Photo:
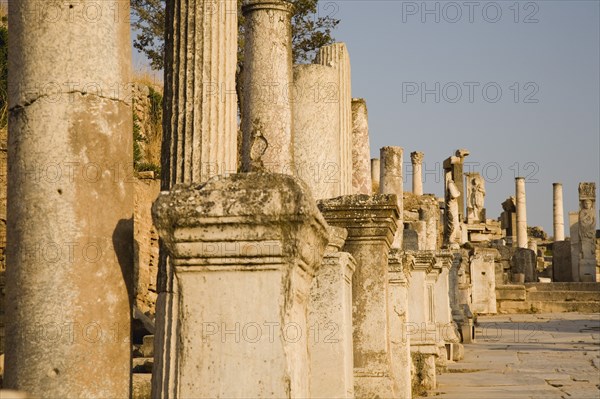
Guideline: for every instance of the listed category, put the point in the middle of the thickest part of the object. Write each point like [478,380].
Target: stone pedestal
[316,127]
[361,151]
[267,77]
[375,175]
[330,322]
[557,212]
[561,261]
[336,56]
[391,183]
[416,159]
[200,101]
[70,204]
[244,249]
[483,280]
[371,223]
[521,212]
[399,280]
[524,262]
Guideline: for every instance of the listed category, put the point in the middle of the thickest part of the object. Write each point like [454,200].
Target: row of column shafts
[238,249]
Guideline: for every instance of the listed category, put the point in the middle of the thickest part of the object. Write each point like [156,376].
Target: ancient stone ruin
[274,259]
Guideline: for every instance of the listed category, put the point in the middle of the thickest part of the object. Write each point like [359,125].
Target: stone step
[563,286]
[142,364]
[563,296]
[141,386]
[548,307]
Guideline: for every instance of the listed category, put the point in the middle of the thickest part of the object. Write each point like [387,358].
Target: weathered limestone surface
[371,222]
[475,198]
[330,322]
[69,233]
[200,106]
[375,175]
[244,249]
[557,212]
[508,221]
[575,245]
[399,279]
[361,150]
[483,280]
[521,212]
[316,129]
[453,168]
[524,262]
[391,183]
[587,232]
[267,77]
[336,55]
[452,225]
[416,159]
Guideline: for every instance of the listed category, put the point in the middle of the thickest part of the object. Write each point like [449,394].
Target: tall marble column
[559,220]
[416,159]
[336,55]
[361,151]
[316,126]
[199,135]
[375,175]
[70,203]
[391,183]
[521,212]
[371,223]
[267,115]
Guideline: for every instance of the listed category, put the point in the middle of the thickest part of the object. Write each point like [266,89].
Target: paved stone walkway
[528,356]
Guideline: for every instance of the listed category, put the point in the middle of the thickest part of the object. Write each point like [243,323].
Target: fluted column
[521,212]
[267,77]
[416,159]
[336,56]
[559,222]
[200,107]
[70,233]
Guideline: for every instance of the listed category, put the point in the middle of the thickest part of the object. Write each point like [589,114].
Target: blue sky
[517,83]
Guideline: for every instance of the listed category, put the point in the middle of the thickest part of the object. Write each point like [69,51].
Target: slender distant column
[416,159]
[375,175]
[559,223]
[70,233]
[336,56]
[267,77]
[361,151]
[521,212]
[200,107]
[391,183]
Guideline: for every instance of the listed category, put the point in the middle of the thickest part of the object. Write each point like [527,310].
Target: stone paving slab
[528,356]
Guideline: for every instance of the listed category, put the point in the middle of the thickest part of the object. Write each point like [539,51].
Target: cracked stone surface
[528,356]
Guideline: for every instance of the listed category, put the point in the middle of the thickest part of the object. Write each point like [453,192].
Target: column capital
[279,5]
[416,157]
[365,217]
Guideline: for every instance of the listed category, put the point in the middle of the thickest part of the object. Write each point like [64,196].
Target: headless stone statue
[452,216]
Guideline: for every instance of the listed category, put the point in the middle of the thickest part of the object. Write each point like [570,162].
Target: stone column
[521,212]
[200,107]
[375,175]
[267,78]
[330,322]
[416,159]
[443,310]
[399,281]
[391,183]
[316,127]
[559,222]
[199,135]
[575,245]
[336,56]
[361,174]
[244,249]
[70,203]
[587,232]
[371,223]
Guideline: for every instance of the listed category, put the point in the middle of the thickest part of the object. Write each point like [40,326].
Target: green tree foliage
[311,29]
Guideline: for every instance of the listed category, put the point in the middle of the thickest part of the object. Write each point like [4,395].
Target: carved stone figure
[476,198]
[452,216]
